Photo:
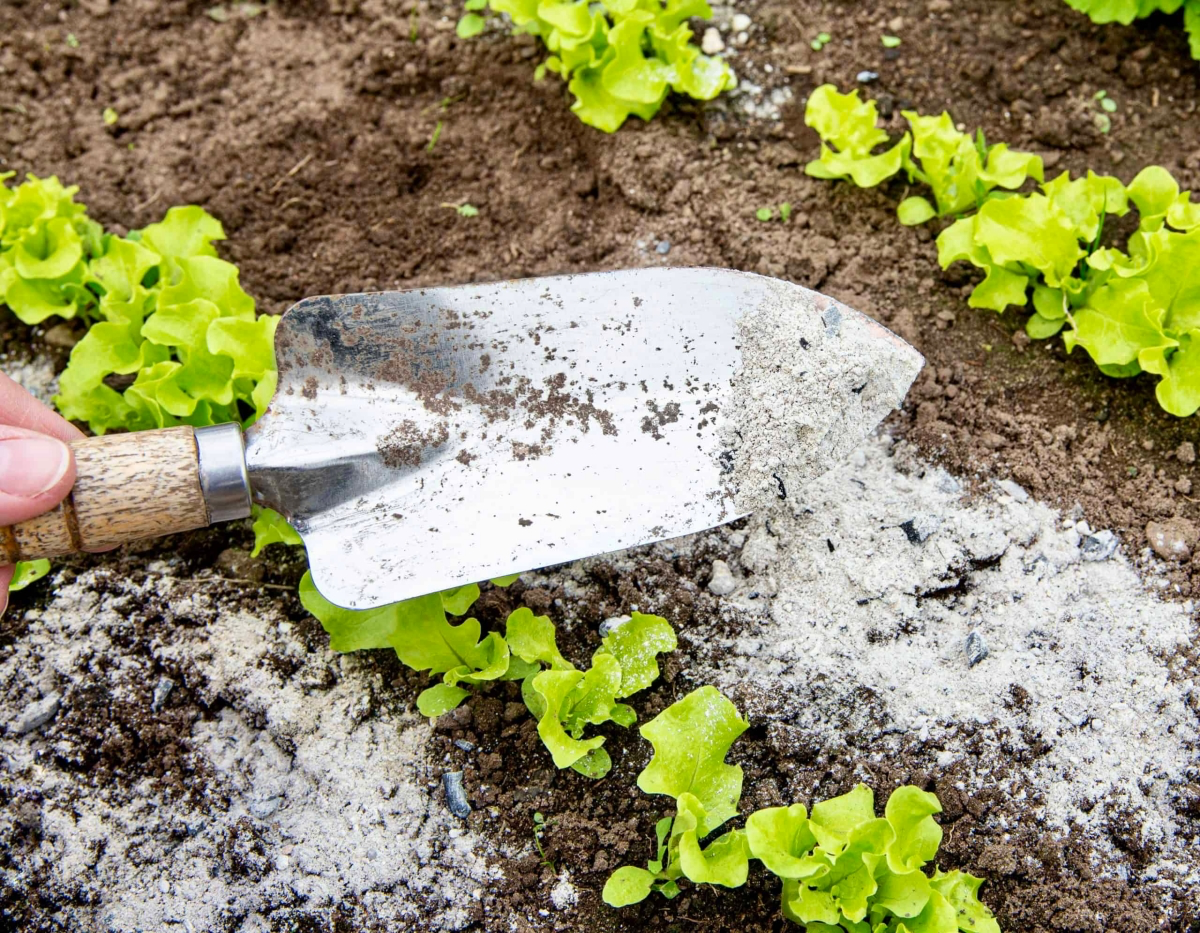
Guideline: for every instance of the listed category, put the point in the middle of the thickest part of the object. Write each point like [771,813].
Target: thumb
[36,473]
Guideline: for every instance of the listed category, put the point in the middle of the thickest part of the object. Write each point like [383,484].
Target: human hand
[37,469]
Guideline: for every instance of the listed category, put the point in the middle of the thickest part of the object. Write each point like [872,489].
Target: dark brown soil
[308,130]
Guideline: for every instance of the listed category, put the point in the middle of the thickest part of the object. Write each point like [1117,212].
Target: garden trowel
[418,440]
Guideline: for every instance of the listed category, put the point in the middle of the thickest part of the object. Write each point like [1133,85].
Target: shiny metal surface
[423,439]
[223,477]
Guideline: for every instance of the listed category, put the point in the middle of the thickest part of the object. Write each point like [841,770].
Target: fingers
[36,473]
[6,575]
[20,409]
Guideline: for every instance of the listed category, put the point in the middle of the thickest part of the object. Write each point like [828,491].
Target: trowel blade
[424,439]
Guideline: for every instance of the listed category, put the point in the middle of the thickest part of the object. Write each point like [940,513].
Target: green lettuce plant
[563,699]
[844,869]
[26,572]
[691,738]
[1126,11]
[618,57]
[1132,311]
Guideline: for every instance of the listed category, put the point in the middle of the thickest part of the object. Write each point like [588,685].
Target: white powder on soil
[816,378]
[343,799]
[853,602]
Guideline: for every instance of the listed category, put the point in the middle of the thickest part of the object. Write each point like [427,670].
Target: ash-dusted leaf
[627,885]
[595,764]
[531,638]
[440,699]
[272,528]
[909,811]
[691,738]
[781,839]
[636,645]
[962,892]
[554,688]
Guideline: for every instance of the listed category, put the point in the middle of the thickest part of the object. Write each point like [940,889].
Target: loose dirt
[307,130]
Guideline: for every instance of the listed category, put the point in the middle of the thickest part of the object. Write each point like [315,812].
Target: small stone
[1099,546]
[456,794]
[866,77]
[162,690]
[712,43]
[741,22]
[62,335]
[464,745]
[722,582]
[36,714]
[163,886]
[1172,539]
[610,625]
[896,24]
[918,528]
[1010,488]
[1183,485]
[977,649]
[662,247]
[1186,452]
[938,6]
[1020,339]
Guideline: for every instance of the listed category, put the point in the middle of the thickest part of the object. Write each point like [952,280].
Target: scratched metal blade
[423,439]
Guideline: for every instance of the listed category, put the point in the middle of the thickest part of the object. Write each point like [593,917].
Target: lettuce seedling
[46,242]
[565,700]
[691,739]
[1132,311]
[618,57]
[843,868]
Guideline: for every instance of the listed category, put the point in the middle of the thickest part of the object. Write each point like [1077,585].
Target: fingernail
[29,466]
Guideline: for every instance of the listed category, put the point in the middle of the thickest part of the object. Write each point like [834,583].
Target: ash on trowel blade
[816,378]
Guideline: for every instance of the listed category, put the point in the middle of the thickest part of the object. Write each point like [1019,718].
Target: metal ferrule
[223,476]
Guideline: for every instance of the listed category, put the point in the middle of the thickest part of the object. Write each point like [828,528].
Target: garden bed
[277,785]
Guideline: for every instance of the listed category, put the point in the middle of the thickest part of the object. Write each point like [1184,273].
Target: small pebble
[662,247]
[866,77]
[1010,488]
[1099,546]
[464,745]
[36,714]
[1172,539]
[608,626]
[977,649]
[456,794]
[741,22]
[920,527]
[163,886]
[712,43]
[722,582]
[1186,452]
[261,809]
[162,690]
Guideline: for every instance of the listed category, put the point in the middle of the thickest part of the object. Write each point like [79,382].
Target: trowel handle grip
[140,485]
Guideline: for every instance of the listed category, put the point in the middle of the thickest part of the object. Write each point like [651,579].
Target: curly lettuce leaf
[636,646]
[691,738]
[272,528]
[848,131]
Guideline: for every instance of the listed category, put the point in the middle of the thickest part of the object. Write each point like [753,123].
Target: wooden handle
[127,486]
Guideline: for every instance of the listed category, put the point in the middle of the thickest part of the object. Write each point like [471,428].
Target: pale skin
[37,469]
